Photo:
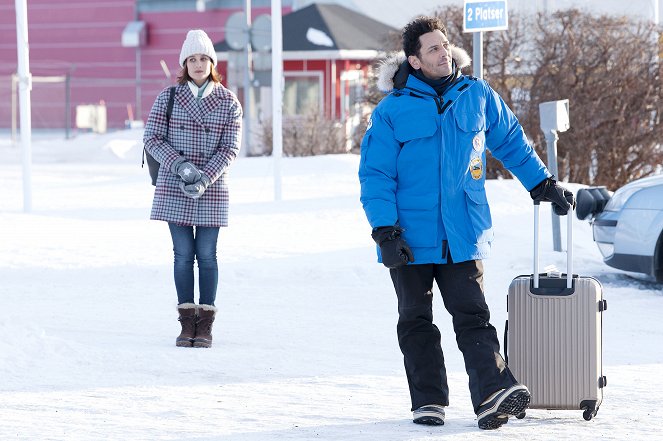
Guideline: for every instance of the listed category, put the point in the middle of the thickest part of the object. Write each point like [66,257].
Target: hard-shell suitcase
[553,335]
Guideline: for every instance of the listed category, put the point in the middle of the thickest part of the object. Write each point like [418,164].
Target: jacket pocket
[419,215]
[415,129]
[470,121]
[479,212]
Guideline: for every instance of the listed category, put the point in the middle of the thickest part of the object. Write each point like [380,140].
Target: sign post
[554,117]
[480,16]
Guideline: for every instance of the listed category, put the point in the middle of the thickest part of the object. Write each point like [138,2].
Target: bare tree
[305,135]
[608,68]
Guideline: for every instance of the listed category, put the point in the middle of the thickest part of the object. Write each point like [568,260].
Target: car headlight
[604,233]
[620,197]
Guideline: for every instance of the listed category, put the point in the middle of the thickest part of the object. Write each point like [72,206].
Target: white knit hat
[197,42]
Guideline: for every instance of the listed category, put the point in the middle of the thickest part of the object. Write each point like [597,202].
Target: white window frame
[347,76]
[310,74]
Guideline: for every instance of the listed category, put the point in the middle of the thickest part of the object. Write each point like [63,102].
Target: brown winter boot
[188,321]
[203,338]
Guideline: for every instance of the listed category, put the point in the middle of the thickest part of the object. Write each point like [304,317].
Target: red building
[79,55]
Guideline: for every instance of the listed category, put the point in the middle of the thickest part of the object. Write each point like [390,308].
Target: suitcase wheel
[521,415]
[589,409]
[589,413]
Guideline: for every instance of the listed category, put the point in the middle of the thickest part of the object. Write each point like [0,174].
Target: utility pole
[24,88]
[277,95]
[248,77]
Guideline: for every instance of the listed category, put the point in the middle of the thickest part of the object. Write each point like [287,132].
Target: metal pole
[67,105]
[656,13]
[551,142]
[25,85]
[247,83]
[569,249]
[277,95]
[139,92]
[14,108]
[139,76]
[477,53]
[536,246]
[332,92]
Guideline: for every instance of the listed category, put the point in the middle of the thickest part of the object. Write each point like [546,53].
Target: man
[422,175]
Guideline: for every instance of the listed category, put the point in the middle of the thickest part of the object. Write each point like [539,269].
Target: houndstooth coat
[206,132]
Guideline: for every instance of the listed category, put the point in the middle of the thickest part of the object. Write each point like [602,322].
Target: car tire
[658,259]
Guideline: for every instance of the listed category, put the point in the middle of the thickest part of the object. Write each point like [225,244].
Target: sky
[304,343]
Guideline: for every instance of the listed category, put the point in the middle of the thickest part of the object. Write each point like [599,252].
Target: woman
[195,149]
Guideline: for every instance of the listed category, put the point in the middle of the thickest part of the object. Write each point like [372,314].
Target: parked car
[628,224]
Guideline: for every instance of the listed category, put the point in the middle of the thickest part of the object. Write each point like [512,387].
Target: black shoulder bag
[152,164]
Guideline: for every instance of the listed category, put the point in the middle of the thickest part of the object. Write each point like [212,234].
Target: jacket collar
[394,71]
[209,86]
[417,85]
[198,109]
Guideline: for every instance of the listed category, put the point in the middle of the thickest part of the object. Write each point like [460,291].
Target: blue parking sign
[481,15]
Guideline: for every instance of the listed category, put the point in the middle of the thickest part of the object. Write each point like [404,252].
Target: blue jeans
[201,245]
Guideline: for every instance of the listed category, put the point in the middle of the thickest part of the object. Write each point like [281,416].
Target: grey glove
[196,189]
[185,170]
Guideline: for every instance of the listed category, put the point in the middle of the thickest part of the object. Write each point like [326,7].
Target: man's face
[434,58]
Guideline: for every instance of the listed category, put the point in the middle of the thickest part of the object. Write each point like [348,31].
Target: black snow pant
[461,286]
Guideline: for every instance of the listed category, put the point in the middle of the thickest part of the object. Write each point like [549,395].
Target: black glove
[395,251]
[548,191]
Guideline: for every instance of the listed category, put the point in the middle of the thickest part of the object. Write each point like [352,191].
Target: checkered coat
[208,133]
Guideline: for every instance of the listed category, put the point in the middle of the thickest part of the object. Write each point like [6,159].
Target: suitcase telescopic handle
[569,246]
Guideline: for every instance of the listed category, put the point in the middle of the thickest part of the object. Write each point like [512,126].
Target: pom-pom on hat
[197,42]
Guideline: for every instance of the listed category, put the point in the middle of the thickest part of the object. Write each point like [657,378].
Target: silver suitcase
[553,335]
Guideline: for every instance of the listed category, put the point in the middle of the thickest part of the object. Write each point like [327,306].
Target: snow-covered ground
[305,342]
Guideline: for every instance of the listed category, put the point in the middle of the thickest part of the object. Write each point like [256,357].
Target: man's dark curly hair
[416,28]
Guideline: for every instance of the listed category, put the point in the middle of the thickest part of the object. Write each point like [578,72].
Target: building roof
[330,28]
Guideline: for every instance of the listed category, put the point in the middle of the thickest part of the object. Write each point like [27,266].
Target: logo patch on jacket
[476,168]
[477,142]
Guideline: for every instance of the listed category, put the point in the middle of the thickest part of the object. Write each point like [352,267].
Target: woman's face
[199,67]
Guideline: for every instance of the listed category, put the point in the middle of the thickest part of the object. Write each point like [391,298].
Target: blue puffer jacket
[423,163]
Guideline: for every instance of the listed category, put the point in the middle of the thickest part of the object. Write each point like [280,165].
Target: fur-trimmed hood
[391,67]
